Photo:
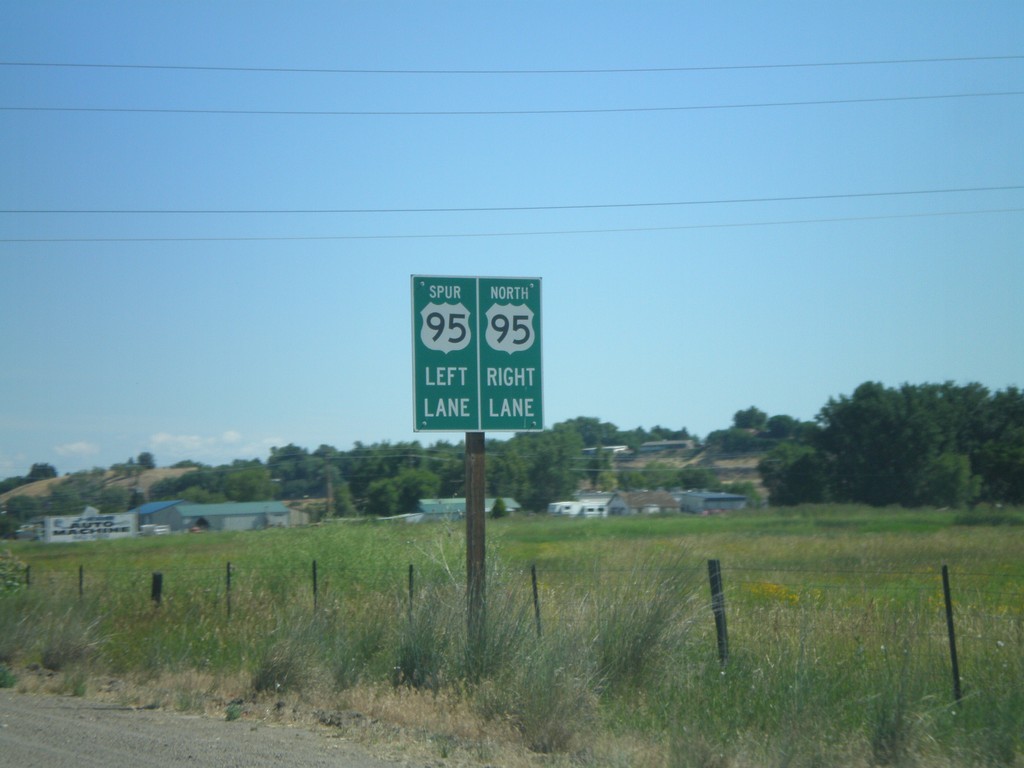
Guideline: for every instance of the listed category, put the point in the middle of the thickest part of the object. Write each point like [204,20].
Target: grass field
[837,636]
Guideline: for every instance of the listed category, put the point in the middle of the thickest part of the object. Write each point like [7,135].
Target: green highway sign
[476,354]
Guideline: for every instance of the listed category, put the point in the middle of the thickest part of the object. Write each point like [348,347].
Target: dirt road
[43,731]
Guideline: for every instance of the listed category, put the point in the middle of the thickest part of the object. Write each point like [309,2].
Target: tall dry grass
[838,652]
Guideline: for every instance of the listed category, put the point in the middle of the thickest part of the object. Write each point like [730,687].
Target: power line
[504,112]
[578,71]
[515,208]
[539,233]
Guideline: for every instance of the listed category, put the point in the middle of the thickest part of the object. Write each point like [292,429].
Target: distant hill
[728,468]
[145,480]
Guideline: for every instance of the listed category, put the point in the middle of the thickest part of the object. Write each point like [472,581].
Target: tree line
[944,445]
[913,445]
[382,478]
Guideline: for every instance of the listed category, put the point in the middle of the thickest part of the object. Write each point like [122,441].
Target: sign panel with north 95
[476,353]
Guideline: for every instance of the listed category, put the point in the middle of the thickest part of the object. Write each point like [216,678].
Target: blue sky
[229,270]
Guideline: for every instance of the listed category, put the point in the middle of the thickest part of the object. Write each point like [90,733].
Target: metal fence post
[957,693]
[718,608]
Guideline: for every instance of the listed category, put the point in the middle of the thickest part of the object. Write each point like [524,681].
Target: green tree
[413,485]
[794,473]
[41,472]
[658,432]
[65,500]
[112,500]
[591,431]
[915,445]
[8,527]
[552,459]
[750,418]
[948,482]
[599,463]
[782,427]
[24,508]
[744,488]
[382,497]
[499,509]
[210,480]
[507,470]
[942,444]
[367,463]
[249,483]
[697,477]
[631,479]
[660,474]
[448,462]
[733,440]
[873,449]
[999,457]
[146,460]
[188,464]
[608,480]
[297,473]
[11,483]
[343,504]
[128,469]
[197,494]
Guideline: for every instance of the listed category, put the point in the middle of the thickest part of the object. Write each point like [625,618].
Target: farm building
[152,515]
[705,502]
[452,509]
[233,516]
[645,503]
[619,503]
[657,446]
[615,449]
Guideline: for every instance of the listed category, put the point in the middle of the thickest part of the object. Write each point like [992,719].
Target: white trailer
[570,508]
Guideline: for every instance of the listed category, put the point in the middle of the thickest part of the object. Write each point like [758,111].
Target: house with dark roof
[705,502]
[644,503]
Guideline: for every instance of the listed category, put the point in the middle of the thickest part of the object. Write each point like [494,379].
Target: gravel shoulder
[48,731]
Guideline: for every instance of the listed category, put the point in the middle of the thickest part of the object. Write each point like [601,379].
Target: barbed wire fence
[949,610]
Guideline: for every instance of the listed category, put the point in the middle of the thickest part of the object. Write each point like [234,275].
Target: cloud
[163,441]
[12,465]
[224,447]
[79,449]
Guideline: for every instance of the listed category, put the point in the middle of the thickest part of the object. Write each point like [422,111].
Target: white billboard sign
[89,526]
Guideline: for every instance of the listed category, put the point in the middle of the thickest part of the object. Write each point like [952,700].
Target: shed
[705,502]
[453,509]
[159,513]
[231,516]
[235,516]
[647,502]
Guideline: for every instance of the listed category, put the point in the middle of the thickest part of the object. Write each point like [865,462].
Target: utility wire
[504,112]
[515,208]
[580,71]
[541,233]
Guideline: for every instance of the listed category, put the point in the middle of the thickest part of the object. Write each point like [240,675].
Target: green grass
[838,647]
